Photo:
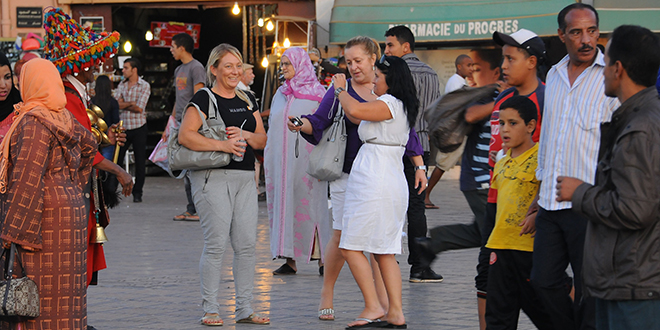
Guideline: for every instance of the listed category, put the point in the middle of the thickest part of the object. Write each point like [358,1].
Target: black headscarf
[14,96]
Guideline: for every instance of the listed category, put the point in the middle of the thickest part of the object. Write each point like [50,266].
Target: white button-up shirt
[570,137]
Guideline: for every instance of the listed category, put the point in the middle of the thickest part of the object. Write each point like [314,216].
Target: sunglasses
[384,61]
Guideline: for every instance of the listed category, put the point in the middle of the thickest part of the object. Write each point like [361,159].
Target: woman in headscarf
[45,162]
[297,202]
[9,96]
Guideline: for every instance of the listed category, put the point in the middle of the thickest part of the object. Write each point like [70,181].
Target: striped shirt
[138,93]
[427,85]
[570,137]
[475,171]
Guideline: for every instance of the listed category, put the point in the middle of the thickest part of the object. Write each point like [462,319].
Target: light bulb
[149,36]
[264,62]
[286,43]
[127,46]
[270,26]
[260,22]
[236,10]
[276,44]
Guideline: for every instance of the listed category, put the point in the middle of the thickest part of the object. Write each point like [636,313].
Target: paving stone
[152,280]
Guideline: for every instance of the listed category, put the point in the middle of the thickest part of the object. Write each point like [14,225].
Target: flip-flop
[213,320]
[186,216]
[431,206]
[284,270]
[327,314]
[375,323]
[394,326]
[250,319]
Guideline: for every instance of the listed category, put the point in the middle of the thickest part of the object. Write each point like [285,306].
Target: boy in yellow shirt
[512,240]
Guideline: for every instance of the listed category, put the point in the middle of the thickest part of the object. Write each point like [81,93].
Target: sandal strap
[326,311]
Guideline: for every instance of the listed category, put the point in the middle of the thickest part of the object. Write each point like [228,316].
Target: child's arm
[529,225]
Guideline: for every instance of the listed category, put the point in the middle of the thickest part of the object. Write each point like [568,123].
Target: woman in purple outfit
[361,54]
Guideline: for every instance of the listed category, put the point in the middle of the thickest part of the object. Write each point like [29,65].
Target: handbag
[182,158]
[20,296]
[326,161]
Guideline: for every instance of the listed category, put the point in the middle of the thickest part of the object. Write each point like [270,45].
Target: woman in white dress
[377,192]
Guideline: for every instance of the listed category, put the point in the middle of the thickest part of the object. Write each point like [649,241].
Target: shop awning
[638,12]
[443,20]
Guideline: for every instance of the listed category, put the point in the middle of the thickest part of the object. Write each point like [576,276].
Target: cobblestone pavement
[152,280]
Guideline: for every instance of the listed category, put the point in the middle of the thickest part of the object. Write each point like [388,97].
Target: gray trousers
[226,202]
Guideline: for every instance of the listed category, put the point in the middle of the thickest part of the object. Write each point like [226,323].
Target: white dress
[377,192]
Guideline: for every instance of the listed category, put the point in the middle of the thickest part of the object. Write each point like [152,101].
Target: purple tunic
[322,119]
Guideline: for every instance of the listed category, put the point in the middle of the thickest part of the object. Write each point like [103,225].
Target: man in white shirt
[463,69]
[248,77]
[575,106]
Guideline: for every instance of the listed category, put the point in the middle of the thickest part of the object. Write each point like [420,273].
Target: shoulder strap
[213,103]
[73,91]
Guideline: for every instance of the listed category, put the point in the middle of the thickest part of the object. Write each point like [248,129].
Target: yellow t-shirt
[515,181]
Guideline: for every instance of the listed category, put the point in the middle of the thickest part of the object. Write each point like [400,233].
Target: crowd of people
[559,168]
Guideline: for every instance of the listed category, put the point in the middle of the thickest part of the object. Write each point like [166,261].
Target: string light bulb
[286,43]
[149,35]
[128,46]
[270,26]
[236,10]
[260,22]
[264,62]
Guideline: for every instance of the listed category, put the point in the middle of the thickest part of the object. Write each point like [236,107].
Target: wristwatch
[338,90]
[422,167]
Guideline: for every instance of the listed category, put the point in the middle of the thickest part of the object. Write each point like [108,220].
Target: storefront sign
[462,30]
[436,21]
[164,31]
[29,17]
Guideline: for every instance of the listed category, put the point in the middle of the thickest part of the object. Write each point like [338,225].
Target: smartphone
[296,121]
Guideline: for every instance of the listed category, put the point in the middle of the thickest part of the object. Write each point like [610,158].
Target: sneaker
[426,276]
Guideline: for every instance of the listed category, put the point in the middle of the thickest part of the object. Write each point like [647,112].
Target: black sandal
[284,270]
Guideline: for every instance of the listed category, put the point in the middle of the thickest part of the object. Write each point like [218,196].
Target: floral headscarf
[304,84]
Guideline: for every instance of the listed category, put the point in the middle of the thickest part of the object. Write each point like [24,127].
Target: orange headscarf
[43,96]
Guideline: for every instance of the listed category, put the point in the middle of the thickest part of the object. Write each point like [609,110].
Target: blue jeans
[627,314]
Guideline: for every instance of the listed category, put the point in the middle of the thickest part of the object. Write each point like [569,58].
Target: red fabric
[78,109]
[95,255]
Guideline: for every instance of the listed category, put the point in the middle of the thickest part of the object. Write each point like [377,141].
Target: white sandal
[329,312]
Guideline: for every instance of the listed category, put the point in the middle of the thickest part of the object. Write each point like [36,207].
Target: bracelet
[339,90]
[422,167]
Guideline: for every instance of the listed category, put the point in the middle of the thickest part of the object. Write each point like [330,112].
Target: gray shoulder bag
[326,161]
[182,158]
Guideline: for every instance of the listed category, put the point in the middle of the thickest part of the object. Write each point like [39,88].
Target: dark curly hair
[400,84]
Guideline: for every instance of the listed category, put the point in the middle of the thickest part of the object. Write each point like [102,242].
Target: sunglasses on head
[384,61]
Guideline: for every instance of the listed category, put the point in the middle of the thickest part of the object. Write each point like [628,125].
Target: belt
[389,144]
